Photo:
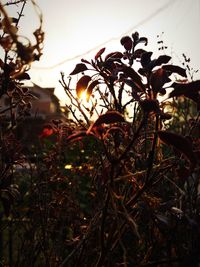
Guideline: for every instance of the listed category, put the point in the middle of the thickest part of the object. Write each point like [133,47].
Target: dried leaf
[82,84]
[99,53]
[175,69]
[79,68]
[179,142]
[108,117]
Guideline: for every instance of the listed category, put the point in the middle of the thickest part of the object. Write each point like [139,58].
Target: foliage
[115,184]
[146,182]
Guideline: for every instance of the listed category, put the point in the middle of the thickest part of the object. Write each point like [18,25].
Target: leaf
[114,55]
[99,53]
[142,40]
[138,53]
[85,61]
[146,59]
[127,42]
[162,60]
[23,76]
[186,89]
[108,117]
[135,37]
[175,69]
[79,68]
[158,79]
[130,72]
[82,84]
[179,142]
[91,87]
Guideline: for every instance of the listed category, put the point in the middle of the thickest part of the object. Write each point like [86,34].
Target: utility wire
[155,13]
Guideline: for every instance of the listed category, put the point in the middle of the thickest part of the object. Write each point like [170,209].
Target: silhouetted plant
[146,180]
[116,183]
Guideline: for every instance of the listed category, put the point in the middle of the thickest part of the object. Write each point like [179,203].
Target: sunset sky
[72,28]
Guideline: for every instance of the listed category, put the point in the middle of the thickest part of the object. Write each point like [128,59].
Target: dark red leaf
[82,84]
[99,53]
[138,53]
[135,37]
[85,61]
[91,87]
[158,79]
[142,40]
[175,69]
[127,42]
[146,59]
[162,60]
[108,117]
[114,55]
[79,68]
[179,142]
[186,89]
[23,76]
[130,72]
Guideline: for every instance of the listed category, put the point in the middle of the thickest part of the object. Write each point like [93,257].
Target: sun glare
[84,97]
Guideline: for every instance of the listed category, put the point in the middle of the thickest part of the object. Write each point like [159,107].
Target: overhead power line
[154,14]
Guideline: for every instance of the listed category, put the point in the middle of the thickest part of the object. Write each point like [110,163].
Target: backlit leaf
[138,53]
[99,53]
[127,42]
[142,40]
[186,89]
[114,55]
[175,69]
[146,59]
[79,68]
[179,142]
[130,72]
[82,84]
[91,87]
[108,117]
[158,79]
[162,60]
[23,76]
